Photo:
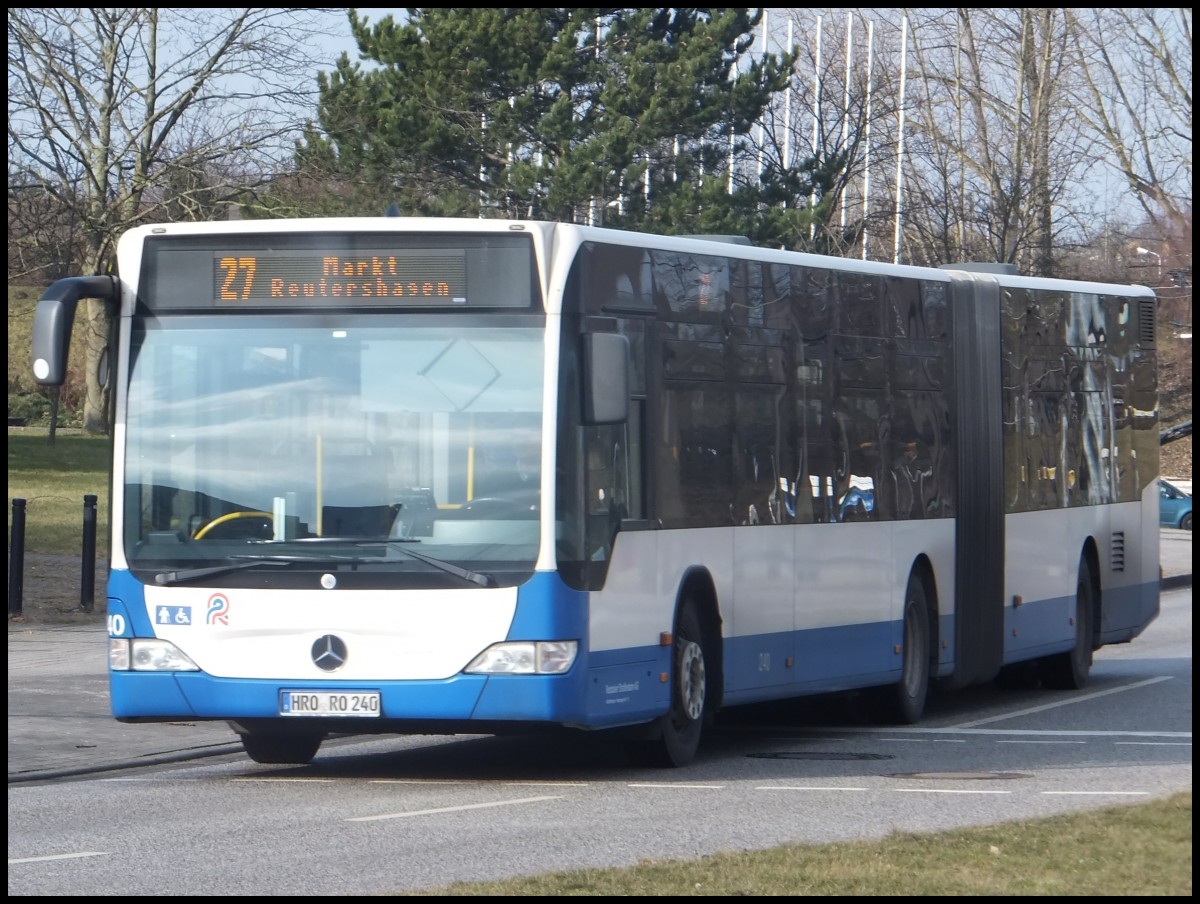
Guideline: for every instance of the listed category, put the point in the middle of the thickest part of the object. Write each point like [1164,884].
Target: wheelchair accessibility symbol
[173,615]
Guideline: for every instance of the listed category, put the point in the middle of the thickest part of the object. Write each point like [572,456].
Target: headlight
[118,654]
[545,657]
[147,654]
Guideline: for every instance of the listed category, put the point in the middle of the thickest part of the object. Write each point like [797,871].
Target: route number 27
[239,277]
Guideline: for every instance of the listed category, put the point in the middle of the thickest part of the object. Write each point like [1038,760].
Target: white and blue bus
[393,475]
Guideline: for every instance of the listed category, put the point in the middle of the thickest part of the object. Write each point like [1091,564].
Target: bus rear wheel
[1070,671]
[903,703]
[281,748]
[675,737]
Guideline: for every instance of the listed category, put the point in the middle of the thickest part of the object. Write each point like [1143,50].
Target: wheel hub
[691,680]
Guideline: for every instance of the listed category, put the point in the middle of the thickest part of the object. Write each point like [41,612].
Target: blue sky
[340,25]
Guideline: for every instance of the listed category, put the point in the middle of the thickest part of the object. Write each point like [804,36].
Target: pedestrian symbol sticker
[173,615]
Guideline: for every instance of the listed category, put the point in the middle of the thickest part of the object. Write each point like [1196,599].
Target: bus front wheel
[281,748]
[676,735]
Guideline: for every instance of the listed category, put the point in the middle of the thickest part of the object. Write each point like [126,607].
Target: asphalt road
[381,815]
[97,807]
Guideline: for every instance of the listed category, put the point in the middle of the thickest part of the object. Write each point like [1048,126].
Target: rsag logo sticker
[218,610]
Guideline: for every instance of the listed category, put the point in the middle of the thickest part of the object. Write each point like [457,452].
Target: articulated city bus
[402,475]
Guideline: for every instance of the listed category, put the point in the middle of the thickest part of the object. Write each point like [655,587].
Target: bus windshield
[311,438]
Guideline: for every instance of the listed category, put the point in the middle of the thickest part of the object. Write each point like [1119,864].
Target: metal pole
[812,198]
[16,559]
[867,140]
[87,582]
[900,142]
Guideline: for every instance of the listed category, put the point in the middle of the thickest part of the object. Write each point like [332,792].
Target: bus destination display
[358,278]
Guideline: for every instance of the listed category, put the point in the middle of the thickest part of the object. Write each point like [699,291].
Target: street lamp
[1157,258]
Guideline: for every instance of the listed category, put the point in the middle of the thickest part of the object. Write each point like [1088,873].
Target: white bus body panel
[789,584]
[394,635]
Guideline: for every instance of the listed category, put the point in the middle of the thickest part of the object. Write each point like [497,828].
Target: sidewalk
[59,722]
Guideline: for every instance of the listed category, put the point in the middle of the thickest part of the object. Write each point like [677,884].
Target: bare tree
[1013,116]
[41,237]
[1004,155]
[1136,95]
[121,116]
[821,125]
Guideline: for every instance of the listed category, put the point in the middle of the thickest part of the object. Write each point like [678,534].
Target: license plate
[355,704]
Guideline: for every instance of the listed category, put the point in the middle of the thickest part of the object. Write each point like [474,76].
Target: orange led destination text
[374,277]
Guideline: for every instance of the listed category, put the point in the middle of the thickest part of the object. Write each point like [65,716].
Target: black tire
[286,748]
[903,703]
[675,737]
[1185,523]
[1070,671]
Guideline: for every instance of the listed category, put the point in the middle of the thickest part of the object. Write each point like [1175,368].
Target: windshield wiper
[475,577]
[192,574]
[401,543]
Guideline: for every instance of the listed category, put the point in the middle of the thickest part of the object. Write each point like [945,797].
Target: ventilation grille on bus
[1118,550]
[1146,310]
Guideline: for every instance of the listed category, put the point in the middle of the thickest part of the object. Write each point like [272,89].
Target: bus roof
[551,232]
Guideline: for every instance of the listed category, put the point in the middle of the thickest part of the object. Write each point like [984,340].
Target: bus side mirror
[605,378]
[52,321]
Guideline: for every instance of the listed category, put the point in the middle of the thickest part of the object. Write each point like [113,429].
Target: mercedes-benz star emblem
[329,653]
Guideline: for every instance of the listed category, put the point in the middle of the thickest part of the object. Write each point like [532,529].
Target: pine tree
[621,116]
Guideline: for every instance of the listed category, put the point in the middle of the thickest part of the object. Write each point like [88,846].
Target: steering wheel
[207,527]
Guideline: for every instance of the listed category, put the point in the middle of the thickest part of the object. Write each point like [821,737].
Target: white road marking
[946,791]
[1032,732]
[1095,793]
[57,857]
[465,781]
[1151,744]
[1082,698]
[1034,741]
[498,803]
[804,788]
[925,740]
[952,791]
[675,785]
[801,734]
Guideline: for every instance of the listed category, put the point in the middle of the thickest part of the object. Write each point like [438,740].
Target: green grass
[53,480]
[1143,849]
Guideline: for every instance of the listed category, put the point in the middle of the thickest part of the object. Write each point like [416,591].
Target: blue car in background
[1175,506]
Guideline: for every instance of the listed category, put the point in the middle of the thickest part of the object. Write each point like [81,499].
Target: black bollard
[16,559]
[87,582]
